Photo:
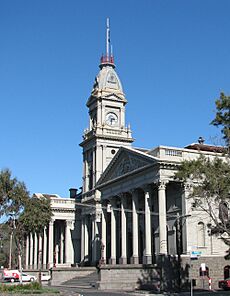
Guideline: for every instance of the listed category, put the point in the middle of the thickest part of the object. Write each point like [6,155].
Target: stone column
[35,250]
[31,250]
[103,236]
[123,258]
[162,217]
[135,255]
[51,244]
[27,252]
[148,233]
[69,255]
[93,239]
[82,239]
[45,247]
[86,240]
[113,234]
[62,246]
[40,252]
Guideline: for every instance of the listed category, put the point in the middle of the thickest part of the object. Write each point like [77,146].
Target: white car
[28,277]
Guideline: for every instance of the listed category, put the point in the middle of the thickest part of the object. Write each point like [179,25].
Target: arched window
[223,211]
[200,234]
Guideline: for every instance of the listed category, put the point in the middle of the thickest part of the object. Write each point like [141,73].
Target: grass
[32,288]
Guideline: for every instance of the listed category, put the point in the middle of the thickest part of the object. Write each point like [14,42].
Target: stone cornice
[63,210]
[106,137]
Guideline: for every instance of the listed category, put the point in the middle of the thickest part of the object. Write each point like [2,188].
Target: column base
[122,260]
[134,260]
[112,261]
[147,259]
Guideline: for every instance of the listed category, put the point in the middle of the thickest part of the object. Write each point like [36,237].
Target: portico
[54,247]
[135,207]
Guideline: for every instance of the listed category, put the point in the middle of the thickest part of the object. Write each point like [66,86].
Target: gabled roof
[125,161]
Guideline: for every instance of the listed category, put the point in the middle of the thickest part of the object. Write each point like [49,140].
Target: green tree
[222,118]
[13,195]
[23,214]
[210,178]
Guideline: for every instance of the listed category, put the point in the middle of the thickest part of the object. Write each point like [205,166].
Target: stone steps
[87,281]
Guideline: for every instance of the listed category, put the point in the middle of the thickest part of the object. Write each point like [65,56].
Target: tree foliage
[36,215]
[223,116]
[210,178]
[23,214]
[13,194]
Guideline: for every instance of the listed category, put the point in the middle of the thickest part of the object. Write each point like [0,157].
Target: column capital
[70,224]
[162,184]
[51,223]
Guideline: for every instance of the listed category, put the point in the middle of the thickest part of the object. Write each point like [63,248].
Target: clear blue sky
[172,58]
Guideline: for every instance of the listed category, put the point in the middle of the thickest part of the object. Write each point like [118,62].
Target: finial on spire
[108,58]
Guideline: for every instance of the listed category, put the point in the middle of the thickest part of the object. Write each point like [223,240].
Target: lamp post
[179,244]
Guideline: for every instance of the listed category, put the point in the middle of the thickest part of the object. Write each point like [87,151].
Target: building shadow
[167,274]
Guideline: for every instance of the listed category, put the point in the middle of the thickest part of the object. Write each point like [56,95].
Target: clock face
[111,119]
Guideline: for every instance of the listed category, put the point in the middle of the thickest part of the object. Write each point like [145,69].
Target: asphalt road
[67,291]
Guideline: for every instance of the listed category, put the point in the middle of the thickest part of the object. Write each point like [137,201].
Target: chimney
[72,192]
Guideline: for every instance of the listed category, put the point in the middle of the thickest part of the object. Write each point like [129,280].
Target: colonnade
[118,237]
[52,247]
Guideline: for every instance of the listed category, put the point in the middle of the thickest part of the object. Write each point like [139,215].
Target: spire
[108,58]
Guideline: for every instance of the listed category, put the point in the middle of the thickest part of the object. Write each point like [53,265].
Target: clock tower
[107,130]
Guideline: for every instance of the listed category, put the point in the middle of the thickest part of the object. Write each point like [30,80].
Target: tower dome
[108,80]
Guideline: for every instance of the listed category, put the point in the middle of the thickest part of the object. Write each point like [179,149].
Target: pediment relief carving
[126,164]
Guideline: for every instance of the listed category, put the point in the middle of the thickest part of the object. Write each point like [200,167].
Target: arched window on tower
[223,212]
[200,234]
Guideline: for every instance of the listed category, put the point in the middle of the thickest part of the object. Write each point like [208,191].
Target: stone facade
[132,218]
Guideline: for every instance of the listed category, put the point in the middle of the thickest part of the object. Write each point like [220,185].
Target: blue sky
[171,56]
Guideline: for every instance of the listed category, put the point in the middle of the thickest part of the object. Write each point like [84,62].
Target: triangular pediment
[126,160]
[115,97]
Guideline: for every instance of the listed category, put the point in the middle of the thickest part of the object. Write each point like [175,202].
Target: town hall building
[132,216]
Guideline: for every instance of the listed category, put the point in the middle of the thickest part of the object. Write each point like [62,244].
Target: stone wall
[164,275]
[128,277]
